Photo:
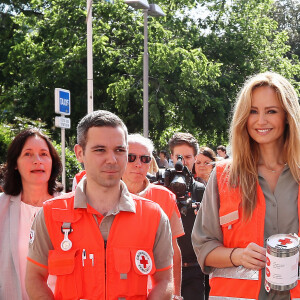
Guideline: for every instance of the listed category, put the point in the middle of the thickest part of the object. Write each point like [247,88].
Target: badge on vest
[143,262]
[66,244]
[31,236]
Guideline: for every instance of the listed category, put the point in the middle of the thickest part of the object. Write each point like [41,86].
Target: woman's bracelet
[230,256]
[176,297]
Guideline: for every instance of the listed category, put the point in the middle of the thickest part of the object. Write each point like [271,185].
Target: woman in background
[29,178]
[204,164]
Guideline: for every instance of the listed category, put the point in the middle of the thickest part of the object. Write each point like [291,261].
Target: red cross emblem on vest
[285,241]
[144,261]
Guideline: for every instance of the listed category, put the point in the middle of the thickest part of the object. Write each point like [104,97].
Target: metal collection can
[282,261]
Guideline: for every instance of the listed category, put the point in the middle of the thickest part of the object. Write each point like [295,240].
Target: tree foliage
[247,41]
[196,65]
[287,14]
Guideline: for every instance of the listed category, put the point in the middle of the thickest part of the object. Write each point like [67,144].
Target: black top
[185,242]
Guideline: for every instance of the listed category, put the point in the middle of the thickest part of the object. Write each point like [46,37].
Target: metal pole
[63,157]
[90,96]
[145,76]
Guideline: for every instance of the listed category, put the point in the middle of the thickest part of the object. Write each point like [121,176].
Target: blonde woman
[254,195]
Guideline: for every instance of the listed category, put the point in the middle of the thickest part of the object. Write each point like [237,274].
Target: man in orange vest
[135,177]
[100,241]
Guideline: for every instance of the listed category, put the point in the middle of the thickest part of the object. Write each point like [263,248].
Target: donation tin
[282,262]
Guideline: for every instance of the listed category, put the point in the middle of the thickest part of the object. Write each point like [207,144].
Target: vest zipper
[105,244]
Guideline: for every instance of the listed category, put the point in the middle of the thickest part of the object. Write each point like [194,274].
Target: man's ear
[172,156]
[79,153]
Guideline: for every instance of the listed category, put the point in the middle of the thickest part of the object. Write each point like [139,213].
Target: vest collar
[145,190]
[126,202]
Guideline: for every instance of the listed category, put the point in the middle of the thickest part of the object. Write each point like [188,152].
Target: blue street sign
[62,101]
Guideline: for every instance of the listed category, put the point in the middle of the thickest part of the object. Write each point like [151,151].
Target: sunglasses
[145,159]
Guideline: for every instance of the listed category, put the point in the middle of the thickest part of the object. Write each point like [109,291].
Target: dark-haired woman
[29,179]
[205,161]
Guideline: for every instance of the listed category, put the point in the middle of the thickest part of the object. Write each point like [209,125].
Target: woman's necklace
[272,170]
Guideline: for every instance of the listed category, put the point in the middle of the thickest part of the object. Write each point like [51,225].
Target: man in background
[221,150]
[193,286]
[139,158]
[162,161]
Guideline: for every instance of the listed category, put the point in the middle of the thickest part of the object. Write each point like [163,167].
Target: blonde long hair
[245,151]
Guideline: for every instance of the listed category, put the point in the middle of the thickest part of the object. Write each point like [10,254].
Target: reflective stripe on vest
[228,298]
[229,217]
[235,273]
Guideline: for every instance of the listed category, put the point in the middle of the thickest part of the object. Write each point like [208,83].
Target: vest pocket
[64,264]
[123,271]
[133,268]
[143,266]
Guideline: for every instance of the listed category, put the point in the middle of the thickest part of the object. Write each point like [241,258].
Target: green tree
[196,66]
[71,164]
[287,15]
[242,36]
[49,50]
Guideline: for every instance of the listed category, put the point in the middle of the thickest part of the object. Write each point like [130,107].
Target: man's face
[162,156]
[136,171]
[105,156]
[187,153]
[221,153]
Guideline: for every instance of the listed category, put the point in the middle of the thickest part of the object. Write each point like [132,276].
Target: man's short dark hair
[222,148]
[183,138]
[164,152]
[98,118]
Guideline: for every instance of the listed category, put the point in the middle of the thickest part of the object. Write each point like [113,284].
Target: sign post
[63,107]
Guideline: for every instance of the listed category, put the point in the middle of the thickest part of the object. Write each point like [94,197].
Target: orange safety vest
[79,176]
[162,196]
[239,283]
[94,269]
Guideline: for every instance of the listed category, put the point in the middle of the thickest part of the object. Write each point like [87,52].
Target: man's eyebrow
[103,147]
[98,146]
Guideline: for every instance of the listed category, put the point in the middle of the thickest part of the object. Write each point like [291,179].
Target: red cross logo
[285,241]
[144,261]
